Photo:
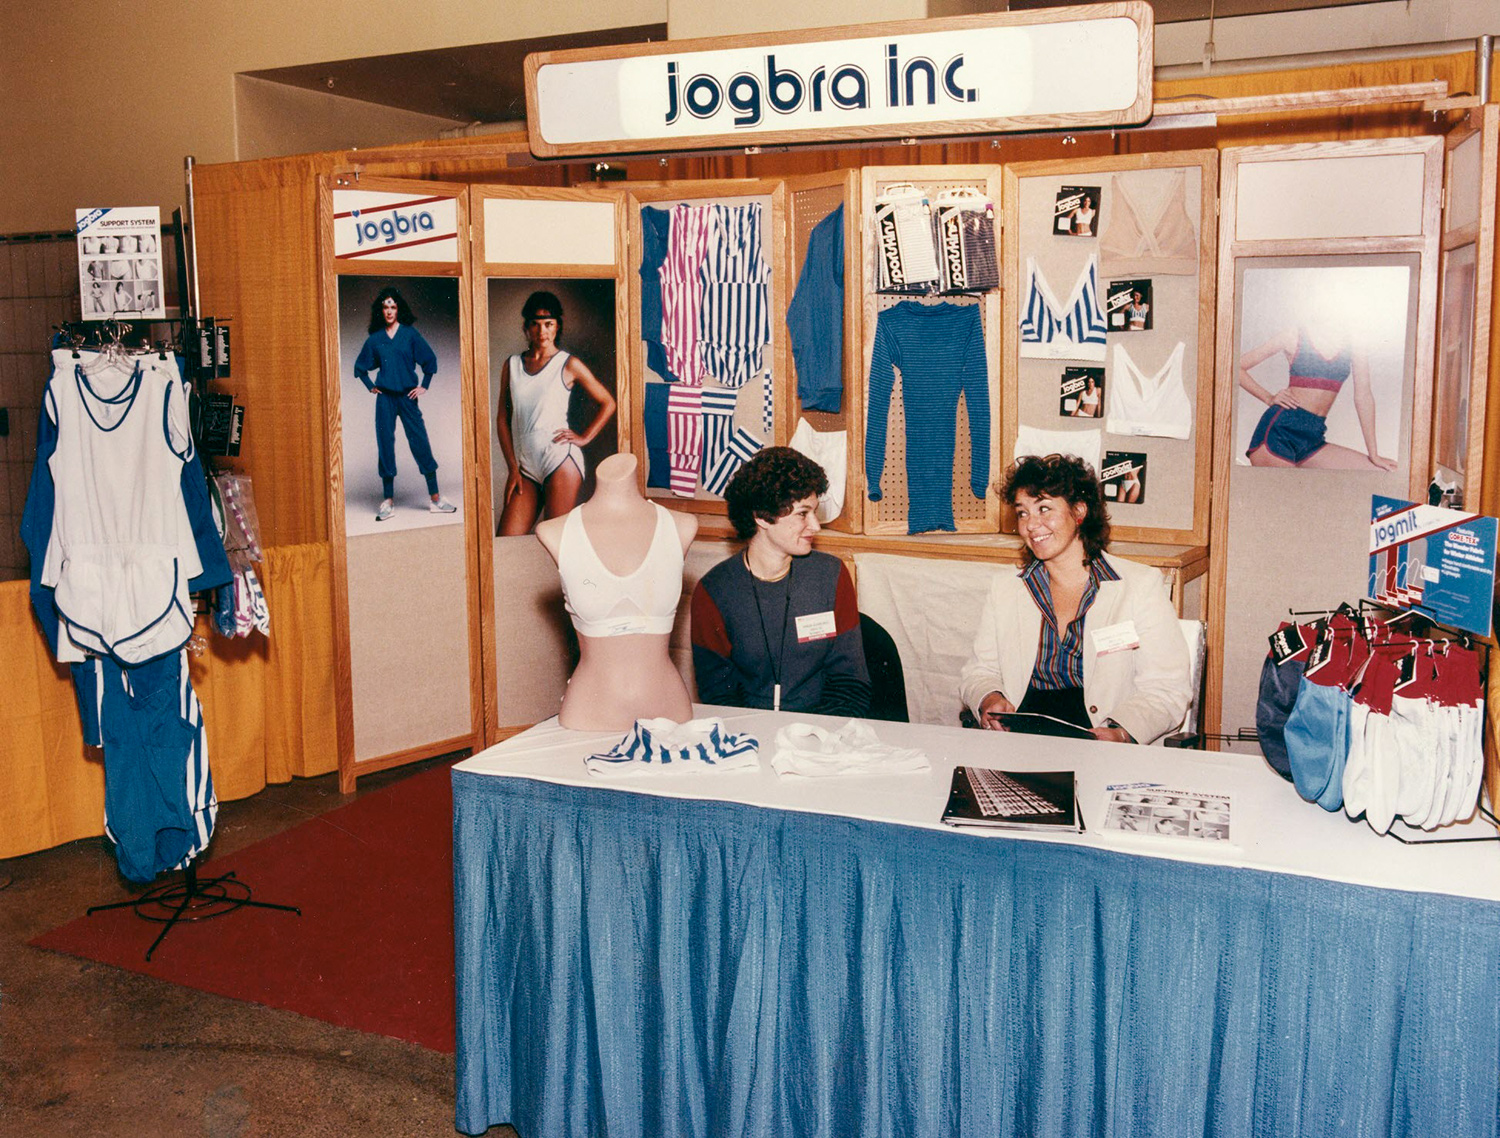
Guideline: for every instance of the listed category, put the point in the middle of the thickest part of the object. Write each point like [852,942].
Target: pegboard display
[724,348]
[827,318]
[891,514]
[1110,322]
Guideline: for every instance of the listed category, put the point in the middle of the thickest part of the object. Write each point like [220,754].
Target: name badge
[1116,638]
[815,626]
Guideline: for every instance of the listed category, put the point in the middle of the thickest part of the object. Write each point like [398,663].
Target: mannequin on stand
[620,558]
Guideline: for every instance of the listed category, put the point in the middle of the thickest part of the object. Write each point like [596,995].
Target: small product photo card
[1081,394]
[1076,213]
[1124,477]
[1127,306]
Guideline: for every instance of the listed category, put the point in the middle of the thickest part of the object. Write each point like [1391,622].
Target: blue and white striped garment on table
[718,423]
[662,745]
[740,450]
[1057,332]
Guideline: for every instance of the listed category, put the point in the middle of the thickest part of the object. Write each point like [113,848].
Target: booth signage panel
[1437,561]
[539,231]
[381,226]
[1084,66]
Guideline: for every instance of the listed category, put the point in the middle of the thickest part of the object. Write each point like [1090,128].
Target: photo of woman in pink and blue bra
[1306,334]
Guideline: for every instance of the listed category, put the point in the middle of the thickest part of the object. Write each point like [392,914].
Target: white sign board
[382,226]
[119,263]
[1057,68]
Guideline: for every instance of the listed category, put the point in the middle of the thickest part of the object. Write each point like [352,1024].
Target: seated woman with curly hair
[777,625]
[1075,633]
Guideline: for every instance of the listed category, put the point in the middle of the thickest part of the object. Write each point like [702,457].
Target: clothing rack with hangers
[1379,711]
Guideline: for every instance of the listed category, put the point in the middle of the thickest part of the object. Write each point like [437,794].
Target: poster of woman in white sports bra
[552,395]
[1307,333]
[399,366]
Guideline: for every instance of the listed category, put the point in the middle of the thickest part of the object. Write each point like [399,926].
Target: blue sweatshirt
[745,636]
[396,358]
[939,350]
[815,318]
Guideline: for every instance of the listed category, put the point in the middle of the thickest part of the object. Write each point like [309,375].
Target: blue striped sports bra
[1053,332]
[1311,368]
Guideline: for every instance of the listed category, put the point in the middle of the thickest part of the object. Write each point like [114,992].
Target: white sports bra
[602,603]
[1137,404]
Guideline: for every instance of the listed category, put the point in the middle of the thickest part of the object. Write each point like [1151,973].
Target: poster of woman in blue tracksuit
[394,352]
[400,352]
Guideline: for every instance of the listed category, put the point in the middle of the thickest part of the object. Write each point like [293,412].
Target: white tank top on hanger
[1138,404]
[121,551]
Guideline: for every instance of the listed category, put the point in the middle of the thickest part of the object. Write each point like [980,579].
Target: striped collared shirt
[1059,656]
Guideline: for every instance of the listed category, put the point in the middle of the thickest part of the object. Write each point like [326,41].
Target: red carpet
[373,948]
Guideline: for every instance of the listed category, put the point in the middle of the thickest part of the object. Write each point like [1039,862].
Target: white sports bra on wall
[1137,404]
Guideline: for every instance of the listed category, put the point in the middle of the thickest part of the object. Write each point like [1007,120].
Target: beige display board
[1083,66]
[749,399]
[1149,219]
[1290,517]
[570,243]
[1468,263]
[889,514]
[810,200]
[409,672]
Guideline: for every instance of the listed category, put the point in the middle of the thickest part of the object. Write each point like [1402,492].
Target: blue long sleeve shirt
[396,359]
[815,318]
[939,350]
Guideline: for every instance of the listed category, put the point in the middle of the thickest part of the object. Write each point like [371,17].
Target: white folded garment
[802,749]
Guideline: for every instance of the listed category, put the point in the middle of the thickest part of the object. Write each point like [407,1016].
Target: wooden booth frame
[330,271]
[1207,162]
[1483,125]
[1423,245]
[616,270]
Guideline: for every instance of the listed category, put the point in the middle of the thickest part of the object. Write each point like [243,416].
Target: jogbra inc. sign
[1058,68]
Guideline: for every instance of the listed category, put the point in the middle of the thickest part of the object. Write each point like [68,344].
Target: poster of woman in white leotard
[552,391]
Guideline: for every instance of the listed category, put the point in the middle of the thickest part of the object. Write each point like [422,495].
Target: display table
[741,954]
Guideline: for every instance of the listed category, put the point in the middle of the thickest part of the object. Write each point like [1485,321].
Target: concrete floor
[86,1049]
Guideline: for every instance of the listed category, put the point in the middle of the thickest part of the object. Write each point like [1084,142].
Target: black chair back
[887,679]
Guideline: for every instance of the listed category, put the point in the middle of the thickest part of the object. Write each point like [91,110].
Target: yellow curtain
[269,706]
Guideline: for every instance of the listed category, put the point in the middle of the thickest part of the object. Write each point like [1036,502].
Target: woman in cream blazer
[1135,684]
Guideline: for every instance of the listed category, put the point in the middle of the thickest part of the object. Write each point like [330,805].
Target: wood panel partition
[257,238]
[410,677]
[1295,534]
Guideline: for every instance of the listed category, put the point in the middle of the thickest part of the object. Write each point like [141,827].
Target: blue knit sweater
[939,350]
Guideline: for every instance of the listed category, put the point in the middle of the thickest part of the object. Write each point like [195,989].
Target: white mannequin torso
[620,678]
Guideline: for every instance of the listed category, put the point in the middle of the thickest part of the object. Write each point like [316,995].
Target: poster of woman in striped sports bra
[1305,335]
